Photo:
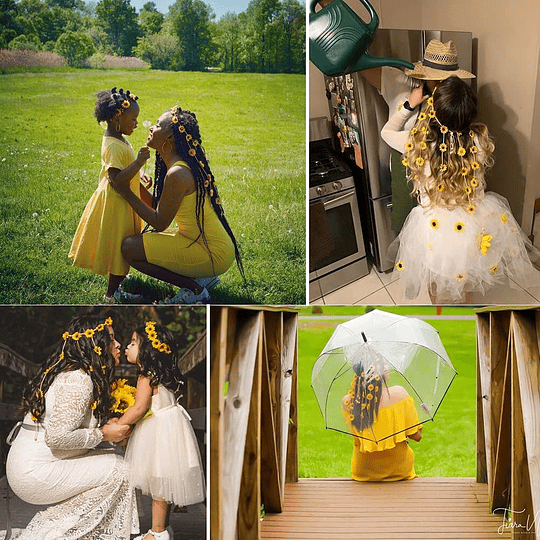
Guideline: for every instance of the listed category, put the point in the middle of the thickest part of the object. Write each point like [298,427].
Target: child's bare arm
[142,403]
[124,175]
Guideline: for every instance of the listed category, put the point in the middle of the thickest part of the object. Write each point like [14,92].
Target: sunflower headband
[125,97]
[209,182]
[150,330]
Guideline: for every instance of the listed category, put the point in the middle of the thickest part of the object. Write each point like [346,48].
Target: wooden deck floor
[421,509]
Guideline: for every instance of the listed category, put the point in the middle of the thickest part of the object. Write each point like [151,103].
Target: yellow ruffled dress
[392,458]
[183,251]
[107,218]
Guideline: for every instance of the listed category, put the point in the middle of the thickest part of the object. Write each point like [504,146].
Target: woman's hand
[146,180]
[417,97]
[115,432]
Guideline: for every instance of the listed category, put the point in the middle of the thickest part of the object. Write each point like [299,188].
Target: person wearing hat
[440,62]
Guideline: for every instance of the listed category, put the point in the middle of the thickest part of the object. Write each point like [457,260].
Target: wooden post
[236,414]
[249,524]
[291,468]
[482,352]
[526,485]
[218,352]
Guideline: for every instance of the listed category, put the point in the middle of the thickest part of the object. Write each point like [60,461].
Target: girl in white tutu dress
[162,452]
[460,239]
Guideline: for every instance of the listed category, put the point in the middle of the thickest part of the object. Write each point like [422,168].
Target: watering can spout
[366,61]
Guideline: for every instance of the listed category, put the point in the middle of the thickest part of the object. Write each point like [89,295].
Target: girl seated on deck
[377,412]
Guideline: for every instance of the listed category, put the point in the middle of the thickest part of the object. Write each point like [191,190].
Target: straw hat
[440,62]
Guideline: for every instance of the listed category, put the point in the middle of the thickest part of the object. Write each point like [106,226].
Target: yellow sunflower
[443,147]
[461,277]
[459,226]
[409,146]
[504,219]
[471,209]
[494,269]
[434,223]
[400,266]
[444,129]
[419,161]
[461,151]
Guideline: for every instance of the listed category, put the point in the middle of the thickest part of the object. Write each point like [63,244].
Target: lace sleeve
[70,402]
[393,133]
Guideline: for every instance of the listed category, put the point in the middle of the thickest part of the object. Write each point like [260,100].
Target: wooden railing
[253,416]
[508,415]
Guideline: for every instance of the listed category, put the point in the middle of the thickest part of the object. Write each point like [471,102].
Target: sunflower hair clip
[150,329]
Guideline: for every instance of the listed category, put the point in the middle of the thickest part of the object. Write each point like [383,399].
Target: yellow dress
[107,218]
[392,458]
[183,251]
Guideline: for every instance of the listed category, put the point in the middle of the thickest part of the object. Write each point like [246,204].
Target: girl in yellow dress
[376,412]
[203,246]
[107,218]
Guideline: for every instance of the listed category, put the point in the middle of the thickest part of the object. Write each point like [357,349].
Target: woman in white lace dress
[54,460]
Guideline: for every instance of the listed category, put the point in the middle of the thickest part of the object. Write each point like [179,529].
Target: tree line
[269,37]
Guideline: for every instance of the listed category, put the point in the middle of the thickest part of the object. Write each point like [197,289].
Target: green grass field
[447,448]
[253,129]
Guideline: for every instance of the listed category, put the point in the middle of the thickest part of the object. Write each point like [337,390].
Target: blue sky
[220,7]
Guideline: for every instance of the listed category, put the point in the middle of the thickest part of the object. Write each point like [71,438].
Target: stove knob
[337,185]
[320,191]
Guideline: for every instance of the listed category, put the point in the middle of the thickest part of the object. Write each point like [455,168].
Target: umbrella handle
[364,336]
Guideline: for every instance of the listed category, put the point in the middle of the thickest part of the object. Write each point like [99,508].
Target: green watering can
[339,39]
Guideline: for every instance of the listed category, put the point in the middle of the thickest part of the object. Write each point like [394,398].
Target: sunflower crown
[123,99]
[150,330]
[88,333]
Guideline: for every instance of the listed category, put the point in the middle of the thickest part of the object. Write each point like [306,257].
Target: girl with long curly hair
[162,452]
[460,239]
[203,246]
[53,459]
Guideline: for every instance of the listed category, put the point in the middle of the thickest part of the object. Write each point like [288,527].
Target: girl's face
[127,122]
[160,132]
[114,346]
[132,350]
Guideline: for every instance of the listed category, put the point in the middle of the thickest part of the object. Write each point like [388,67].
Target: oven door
[346,231]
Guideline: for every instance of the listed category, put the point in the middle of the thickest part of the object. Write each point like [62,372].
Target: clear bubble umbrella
[368,355]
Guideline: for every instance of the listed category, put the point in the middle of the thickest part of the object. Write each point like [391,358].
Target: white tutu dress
[453,252]
[163,454]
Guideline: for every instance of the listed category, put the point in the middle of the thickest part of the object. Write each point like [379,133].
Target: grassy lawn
[253,129]
[447,448]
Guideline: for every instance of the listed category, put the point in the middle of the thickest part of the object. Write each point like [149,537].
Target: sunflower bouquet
[123,396]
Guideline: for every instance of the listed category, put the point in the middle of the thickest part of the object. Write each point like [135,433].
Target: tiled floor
[379,289]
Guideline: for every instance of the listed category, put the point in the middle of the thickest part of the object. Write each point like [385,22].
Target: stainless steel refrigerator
[359,113]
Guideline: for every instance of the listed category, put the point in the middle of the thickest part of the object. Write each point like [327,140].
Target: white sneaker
[207,282]
[185,296]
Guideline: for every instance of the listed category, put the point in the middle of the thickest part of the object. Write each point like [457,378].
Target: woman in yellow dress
[377,412]
[203,247]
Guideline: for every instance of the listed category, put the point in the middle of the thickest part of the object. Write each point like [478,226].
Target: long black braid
[188,144]
[110,101]
[89,354]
